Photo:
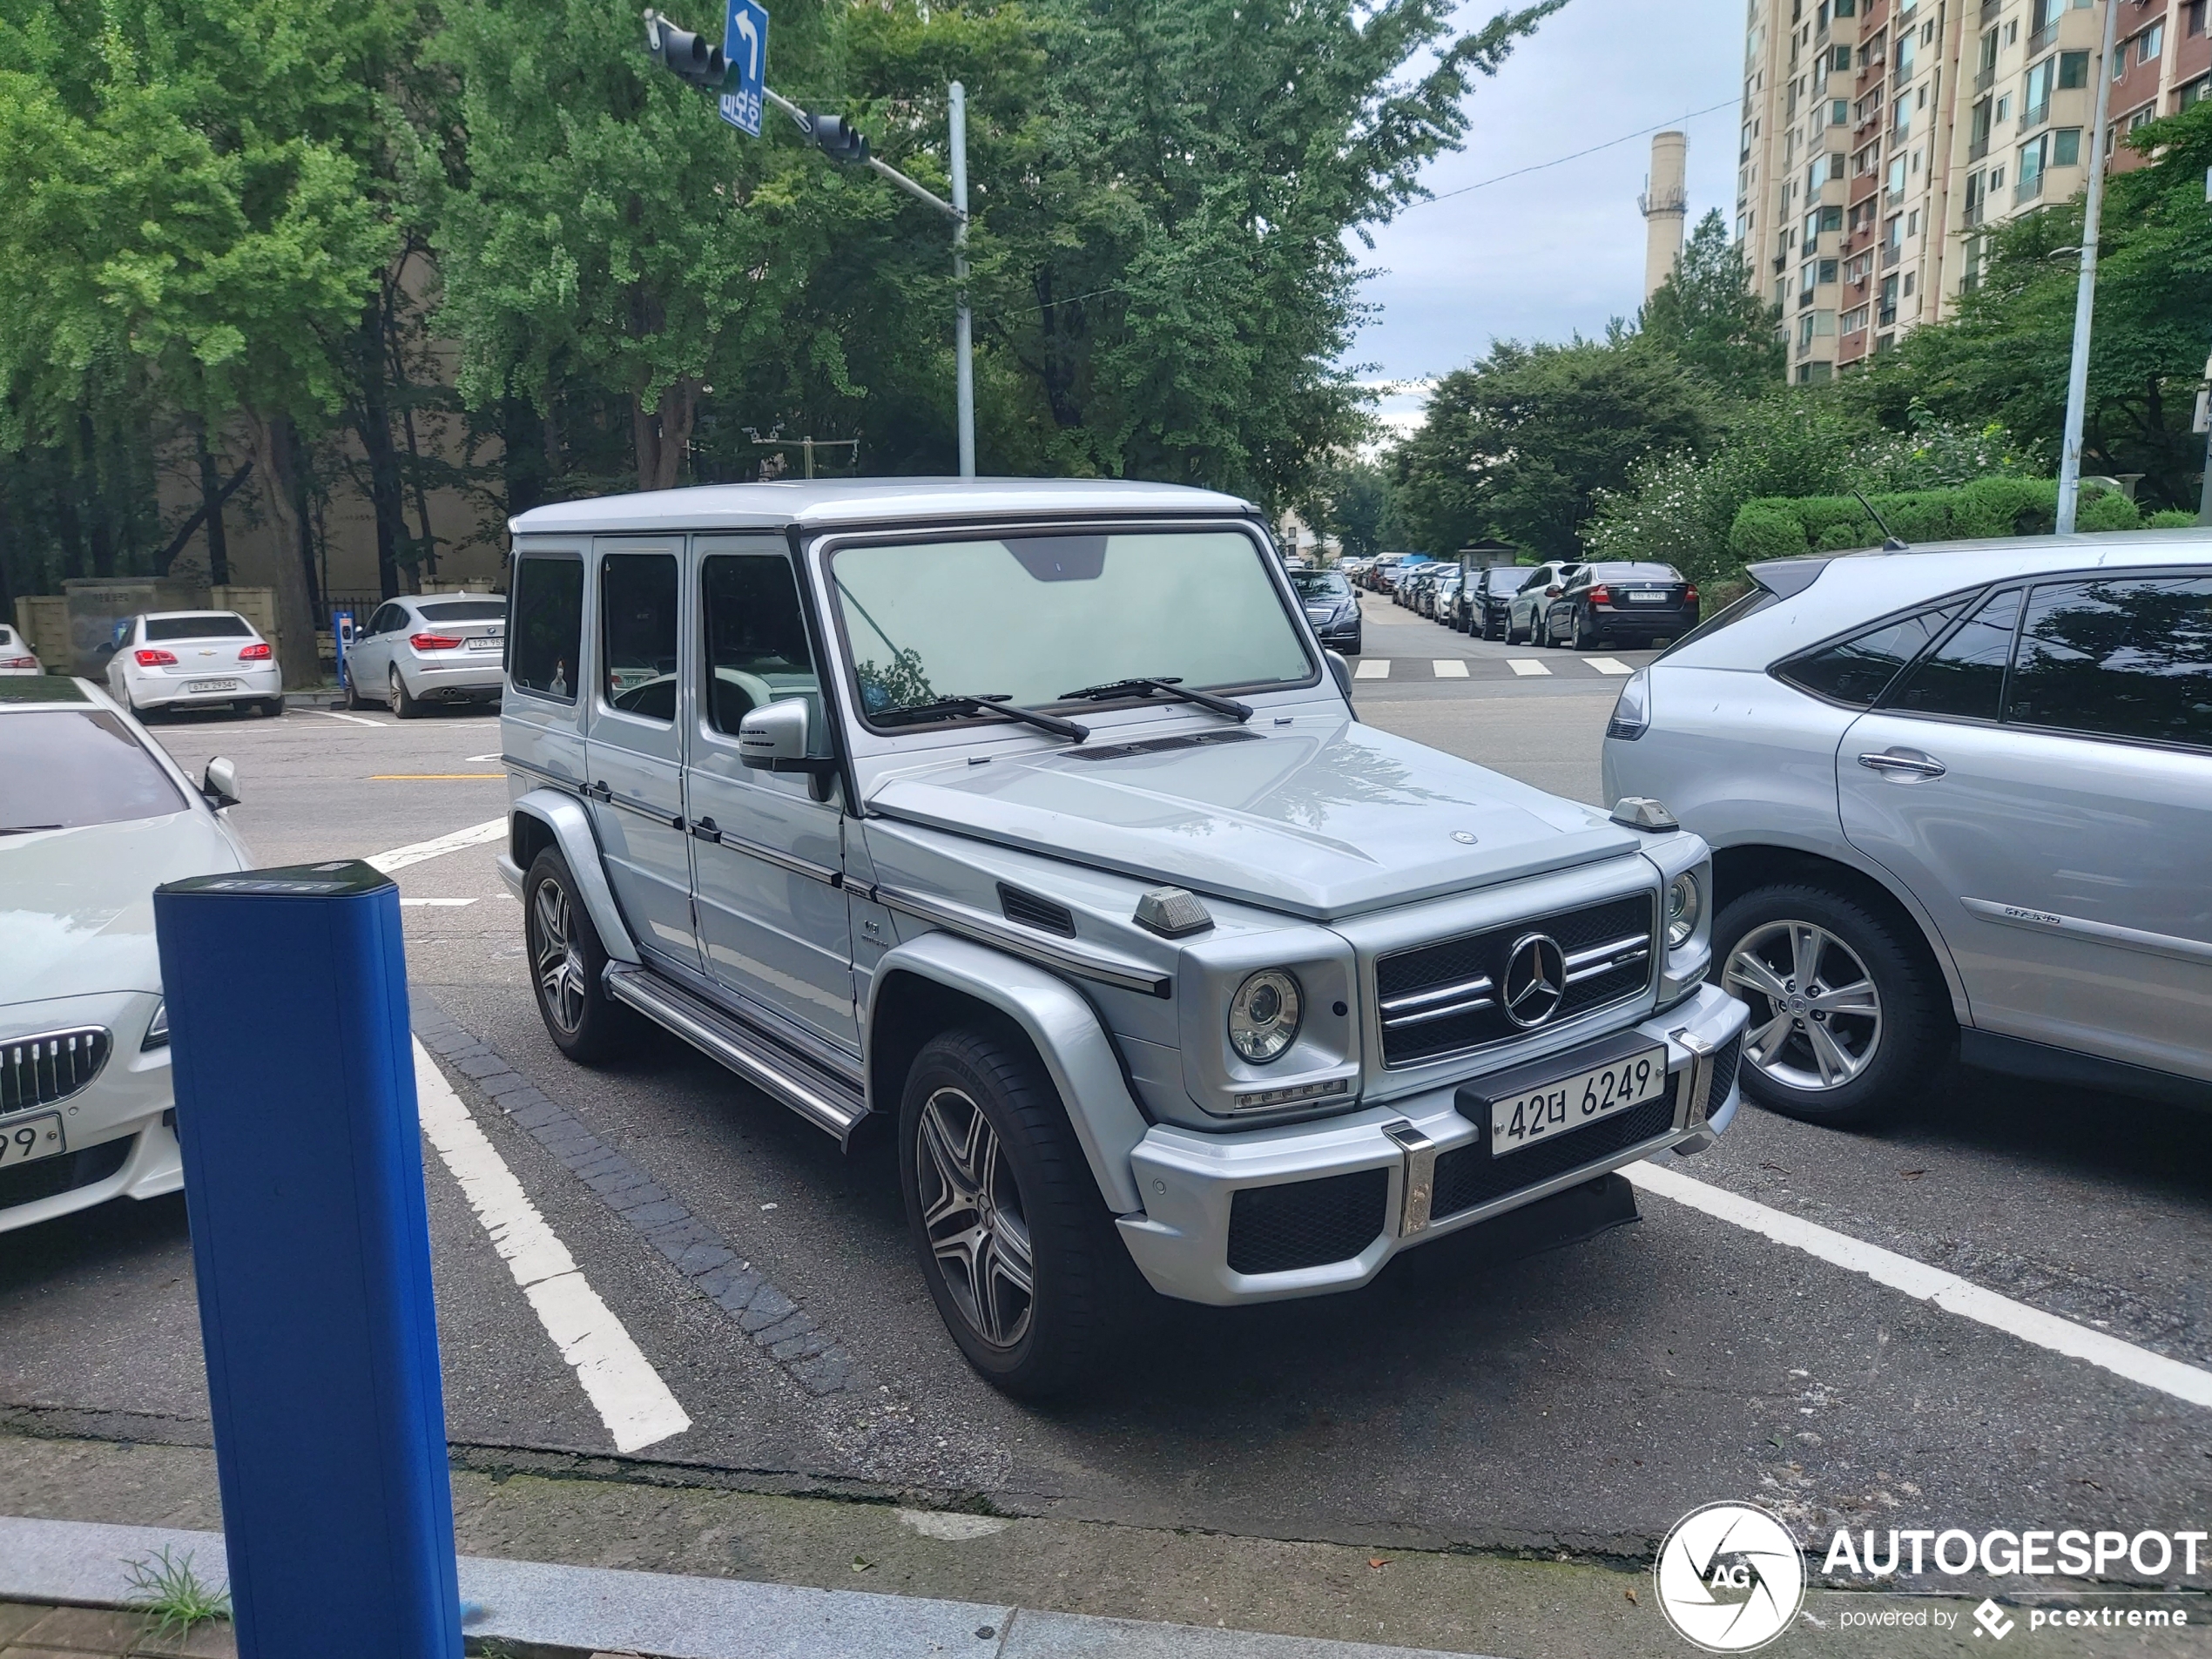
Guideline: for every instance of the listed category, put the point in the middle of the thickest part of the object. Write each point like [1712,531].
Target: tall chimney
[1666,204]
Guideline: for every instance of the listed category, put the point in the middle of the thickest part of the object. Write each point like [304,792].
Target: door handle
[597,792]
[1910,761]
[707,830]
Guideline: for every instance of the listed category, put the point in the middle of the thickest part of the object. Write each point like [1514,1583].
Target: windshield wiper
[28,829]
[1000,703]
[1173,688]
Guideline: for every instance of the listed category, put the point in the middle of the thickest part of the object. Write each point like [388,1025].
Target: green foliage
[171,1593]
[1708,316]
[1775,529]
[2170,519]
[1523,445]
[1359,507]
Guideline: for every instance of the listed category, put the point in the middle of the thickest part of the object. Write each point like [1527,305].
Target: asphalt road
[1583,1401]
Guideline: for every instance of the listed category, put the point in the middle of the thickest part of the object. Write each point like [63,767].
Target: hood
[1321,822]
[77,905]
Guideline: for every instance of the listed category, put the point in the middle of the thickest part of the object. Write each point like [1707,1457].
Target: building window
[2193,17]
[2073,68]
[2066,147]
[1854,321]
[1828,270]
[1849,8]
[2004,109]
[1839,114]
[1832,218]
[2195,92]
[1996,179]
[2150,43]
[1841,61]
[1912,223]
[1908,284]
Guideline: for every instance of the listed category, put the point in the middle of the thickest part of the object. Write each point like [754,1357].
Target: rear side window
[1744,604]
[215,625]
[463,609]
[2127,658]
[1965,675]
[90,770]
[1858,670]
[548,627]
[637,612]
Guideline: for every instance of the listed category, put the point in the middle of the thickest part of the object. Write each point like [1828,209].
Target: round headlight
[1263,1016]
[1683,906]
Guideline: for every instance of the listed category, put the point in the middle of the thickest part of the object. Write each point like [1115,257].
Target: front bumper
[1188,1181]
[118,1131]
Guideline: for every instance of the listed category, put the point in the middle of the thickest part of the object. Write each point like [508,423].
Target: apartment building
[1882,139]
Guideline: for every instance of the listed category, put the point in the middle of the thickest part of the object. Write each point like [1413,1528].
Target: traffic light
[690,56]
[835,137]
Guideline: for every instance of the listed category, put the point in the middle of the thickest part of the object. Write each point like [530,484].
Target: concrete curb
[601,1609]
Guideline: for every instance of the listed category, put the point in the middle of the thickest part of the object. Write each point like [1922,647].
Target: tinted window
[542,641]
[1858,670]
[1319,584]
[1744,604]
[756,651]
[387,618]
[637,629]
[463,609]
[217,625]
[2123,658]
[1965,675]
[1630,573]
[90,770]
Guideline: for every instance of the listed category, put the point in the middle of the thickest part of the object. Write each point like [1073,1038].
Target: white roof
[820,503]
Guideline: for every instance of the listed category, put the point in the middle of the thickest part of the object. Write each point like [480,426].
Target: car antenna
[1890,544]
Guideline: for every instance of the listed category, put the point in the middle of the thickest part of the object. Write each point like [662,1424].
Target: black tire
[273,707]
[404,705]
[1586,636]
[584,1022]
[1897,1047]
[355,700]
[1038,1343]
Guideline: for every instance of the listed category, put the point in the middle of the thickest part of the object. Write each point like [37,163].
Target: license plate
[1647,598]
[211,686]
[1522,1120]
[39,1138]
[491,643]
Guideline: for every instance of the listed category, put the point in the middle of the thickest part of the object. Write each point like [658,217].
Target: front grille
[1306,1223]
[37,1071]
[1468,1176]
[46,1178]
[1443,999]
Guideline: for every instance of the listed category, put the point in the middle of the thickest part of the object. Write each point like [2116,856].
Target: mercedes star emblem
[1535,980]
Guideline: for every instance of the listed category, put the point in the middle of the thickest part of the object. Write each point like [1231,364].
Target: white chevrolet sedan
[178,659]
[86,1113]
[428,648]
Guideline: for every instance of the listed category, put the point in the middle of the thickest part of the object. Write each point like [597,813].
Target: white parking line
[351,719]
[443,903]
[1608,665]
[1927,1283]
[628,1394]
[1527,665]
[399,858]
[1449,668]
[1373,668]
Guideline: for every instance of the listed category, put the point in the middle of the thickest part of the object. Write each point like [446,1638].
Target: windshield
[463,610]
[1032,619]
[90,770]
[220,625]
[1319,585]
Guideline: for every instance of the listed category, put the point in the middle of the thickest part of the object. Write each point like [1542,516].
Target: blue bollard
[303,1179]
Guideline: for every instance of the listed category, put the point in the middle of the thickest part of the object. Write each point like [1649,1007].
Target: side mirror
[219,782]
[774,740]
[1340,671]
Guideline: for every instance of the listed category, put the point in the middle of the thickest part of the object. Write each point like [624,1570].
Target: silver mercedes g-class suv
[1033,817]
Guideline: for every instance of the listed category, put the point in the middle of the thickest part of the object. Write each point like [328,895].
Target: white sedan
[428,648]
[178,659]
[86,1111]
[16,655]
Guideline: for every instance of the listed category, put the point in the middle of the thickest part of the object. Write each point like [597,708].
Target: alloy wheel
[553,957]
[1816,1014]
[392,692]
[972,1210]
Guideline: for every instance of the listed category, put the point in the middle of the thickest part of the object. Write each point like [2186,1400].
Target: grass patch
[172,1596]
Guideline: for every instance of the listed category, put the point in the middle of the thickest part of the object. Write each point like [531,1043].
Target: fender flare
[1078,1055]
[563,815]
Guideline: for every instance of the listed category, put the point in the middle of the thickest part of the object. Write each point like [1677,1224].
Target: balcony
[1989,11]
[1884,316]
[1985,78]
[1891,251]
[2035,115]
[2043,39]
[1978,147]
[1976,212]
[2029,189]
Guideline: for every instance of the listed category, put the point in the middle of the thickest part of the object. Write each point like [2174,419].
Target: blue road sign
[745,44]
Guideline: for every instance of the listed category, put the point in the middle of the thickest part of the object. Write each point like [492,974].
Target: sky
[1541,256]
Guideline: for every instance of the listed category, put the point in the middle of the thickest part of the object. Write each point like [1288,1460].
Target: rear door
[633,752]
[2042,781]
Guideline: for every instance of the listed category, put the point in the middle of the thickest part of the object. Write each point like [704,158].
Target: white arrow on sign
[752,38]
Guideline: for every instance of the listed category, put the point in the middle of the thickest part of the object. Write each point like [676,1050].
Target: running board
[829,1103]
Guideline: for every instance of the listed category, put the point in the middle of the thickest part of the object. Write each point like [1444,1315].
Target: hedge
[1778,528]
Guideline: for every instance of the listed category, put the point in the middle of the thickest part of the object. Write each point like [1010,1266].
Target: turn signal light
[433,642]
[255,653]
[155,659]
[1689,595]
[1600,594]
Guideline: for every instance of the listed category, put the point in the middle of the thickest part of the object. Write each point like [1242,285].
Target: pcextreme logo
[1730,1577]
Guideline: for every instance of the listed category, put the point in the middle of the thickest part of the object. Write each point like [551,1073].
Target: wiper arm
[999,703]
[28,829]
[1174,688]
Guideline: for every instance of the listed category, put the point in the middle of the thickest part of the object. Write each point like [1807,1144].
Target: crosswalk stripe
[1449,668]
[1525,665]
[1608,665]
[1373,668]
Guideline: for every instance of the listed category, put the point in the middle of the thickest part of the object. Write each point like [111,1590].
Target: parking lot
[1581,1401]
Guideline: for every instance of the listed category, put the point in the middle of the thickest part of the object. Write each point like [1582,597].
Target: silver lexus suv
[1033,819]
[1961,791]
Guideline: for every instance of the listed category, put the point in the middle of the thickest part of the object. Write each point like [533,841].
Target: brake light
[18,662]
[1600,594]
[432,642]
[255,653]
[1689,595]
[155,659]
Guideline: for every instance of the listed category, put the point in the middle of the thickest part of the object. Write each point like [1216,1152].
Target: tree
[1358,508]
[1519,445]
[1708,316]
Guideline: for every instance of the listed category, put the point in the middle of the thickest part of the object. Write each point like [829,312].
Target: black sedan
[1332,607]
[1621,604]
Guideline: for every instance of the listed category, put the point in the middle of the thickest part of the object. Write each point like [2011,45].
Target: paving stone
[769,1306]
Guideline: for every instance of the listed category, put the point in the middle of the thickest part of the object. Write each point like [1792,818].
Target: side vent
[1032,912]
